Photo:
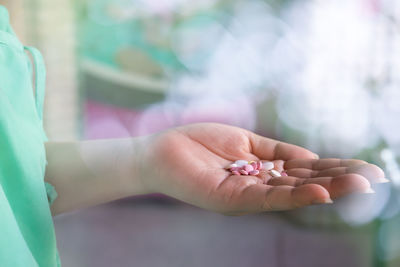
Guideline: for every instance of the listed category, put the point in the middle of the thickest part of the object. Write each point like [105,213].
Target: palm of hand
[190,164]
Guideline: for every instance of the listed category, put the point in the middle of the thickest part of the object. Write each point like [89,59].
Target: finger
[269,149]
[337,186]
[320,164]
[301,172]
[259,197]
[307,173]
[371,172]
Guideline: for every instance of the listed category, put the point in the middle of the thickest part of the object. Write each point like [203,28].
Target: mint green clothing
[27,237]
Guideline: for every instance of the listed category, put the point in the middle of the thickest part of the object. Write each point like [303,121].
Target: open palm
[188,163]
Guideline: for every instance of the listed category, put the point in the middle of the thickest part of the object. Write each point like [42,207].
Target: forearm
[92,172]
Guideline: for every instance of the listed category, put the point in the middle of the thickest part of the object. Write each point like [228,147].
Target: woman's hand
[188,163]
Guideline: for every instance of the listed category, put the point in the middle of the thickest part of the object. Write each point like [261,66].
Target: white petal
[267,165]
[241,162]
[275,173]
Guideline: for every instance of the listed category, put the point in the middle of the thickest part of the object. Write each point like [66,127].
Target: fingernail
[383,180]
[316,156]
[323,201]
[369,191]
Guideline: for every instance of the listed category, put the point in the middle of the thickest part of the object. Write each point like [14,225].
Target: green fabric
[51,193]
[27,235]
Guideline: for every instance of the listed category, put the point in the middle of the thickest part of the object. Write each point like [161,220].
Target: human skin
[187,163]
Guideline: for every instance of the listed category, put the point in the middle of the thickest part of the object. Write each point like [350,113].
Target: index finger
[314,164]
[270,149]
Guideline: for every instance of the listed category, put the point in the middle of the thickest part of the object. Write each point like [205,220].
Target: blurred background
[323,74]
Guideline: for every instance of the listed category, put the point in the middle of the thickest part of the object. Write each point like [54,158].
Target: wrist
[140,177]
[150,154]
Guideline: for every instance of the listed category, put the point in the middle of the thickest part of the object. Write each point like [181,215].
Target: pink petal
[255,172]
[244,172]
[248,168]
